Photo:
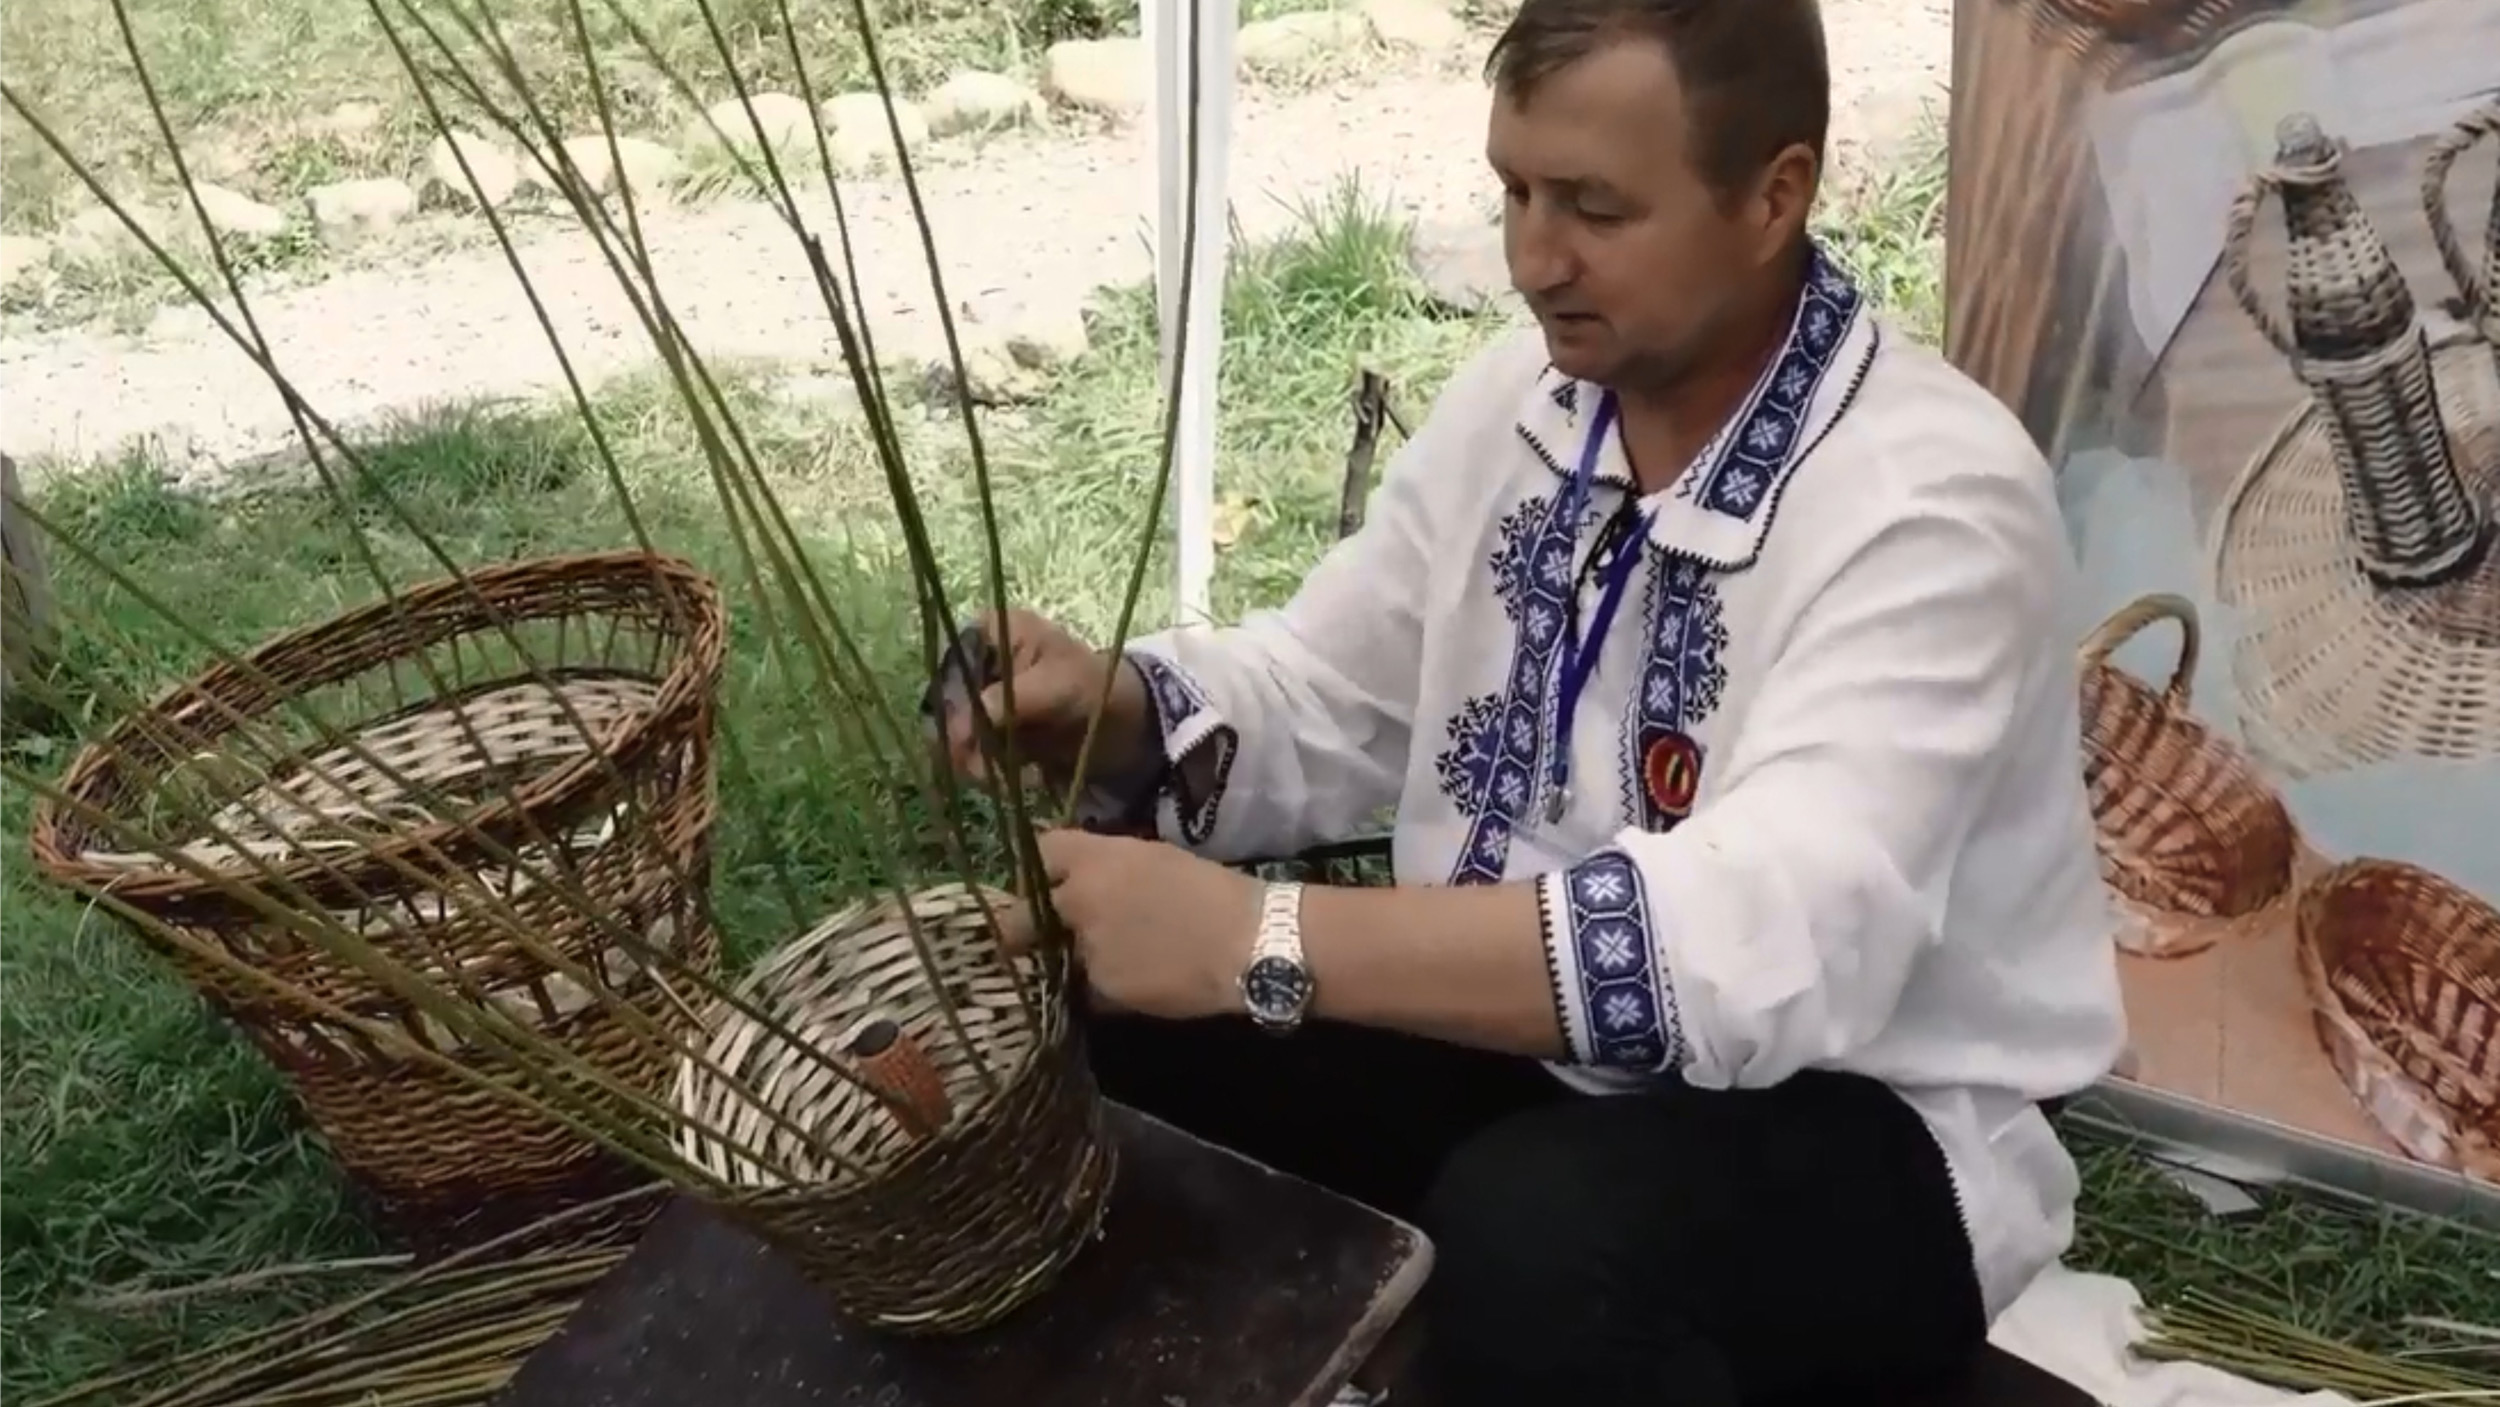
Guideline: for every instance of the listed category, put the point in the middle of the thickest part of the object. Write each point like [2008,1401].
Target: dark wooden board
[1217,1283]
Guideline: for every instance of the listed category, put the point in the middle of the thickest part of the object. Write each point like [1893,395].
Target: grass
[276,97]
[258,86]
[142,1146]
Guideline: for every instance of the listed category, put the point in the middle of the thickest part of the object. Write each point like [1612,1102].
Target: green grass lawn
[143,1147]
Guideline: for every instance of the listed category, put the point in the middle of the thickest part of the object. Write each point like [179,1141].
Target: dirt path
[1034,224]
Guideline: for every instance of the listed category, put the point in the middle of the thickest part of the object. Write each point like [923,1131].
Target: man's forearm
[1464,965]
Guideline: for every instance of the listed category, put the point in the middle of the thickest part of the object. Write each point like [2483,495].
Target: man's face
[1626,256]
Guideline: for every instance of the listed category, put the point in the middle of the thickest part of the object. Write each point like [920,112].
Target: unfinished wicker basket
[2403,970]
[977,1168]
[2193,842]
[556,768]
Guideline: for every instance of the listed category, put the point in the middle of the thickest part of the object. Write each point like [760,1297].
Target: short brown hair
[1755,75]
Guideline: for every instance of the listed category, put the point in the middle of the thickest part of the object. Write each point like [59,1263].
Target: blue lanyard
[1579,652]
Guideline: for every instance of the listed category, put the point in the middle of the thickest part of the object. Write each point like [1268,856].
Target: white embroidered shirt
[1824,803]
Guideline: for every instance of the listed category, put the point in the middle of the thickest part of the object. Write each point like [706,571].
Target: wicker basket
[2193,843]
[2108,36]
[985,1169]
[484,781]
[2403,969]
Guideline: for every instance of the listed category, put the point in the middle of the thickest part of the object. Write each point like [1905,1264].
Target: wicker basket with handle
[526,750]
[2193,842]
[968,1164]
[2403,971]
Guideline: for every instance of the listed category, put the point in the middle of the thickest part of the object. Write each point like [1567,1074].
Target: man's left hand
[1160,931]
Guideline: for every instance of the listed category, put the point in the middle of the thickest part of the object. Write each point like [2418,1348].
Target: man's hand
[1058,681]
[1160,931]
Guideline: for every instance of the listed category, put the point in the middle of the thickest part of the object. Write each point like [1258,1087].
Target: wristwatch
[1276,985]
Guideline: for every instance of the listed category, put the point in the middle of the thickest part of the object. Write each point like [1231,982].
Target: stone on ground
[1414,24]
[346,209]
[497,175]
[863,138]
[22,257]
[1048,339]
[1461,265]
[96,235]
[786,122]
[1289,41]
[231,212]
[648,166]
[1107,76]
[976,101]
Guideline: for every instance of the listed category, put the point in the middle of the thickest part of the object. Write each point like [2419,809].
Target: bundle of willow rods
[449,1334]
[2201,1327]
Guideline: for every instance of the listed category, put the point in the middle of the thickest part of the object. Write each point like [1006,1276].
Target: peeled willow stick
[339,1328]
[2206,1328]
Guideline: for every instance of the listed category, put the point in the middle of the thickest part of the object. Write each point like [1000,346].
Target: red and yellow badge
[1671,773]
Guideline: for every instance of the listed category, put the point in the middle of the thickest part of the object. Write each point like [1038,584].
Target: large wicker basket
[2403,969]
[969,1162]
[2193,843]
[539,732]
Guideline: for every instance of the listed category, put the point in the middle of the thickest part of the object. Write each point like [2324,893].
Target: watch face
[1276,989]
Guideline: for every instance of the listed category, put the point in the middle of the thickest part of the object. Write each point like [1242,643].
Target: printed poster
[2236,263]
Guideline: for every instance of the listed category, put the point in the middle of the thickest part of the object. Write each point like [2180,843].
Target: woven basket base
[2334,671]
[2167,935]
[2402,968]
[948,1208]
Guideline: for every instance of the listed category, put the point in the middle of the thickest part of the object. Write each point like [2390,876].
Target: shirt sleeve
[1775,929]
[1292,728]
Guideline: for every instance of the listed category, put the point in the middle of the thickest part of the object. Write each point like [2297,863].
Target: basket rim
[687,682]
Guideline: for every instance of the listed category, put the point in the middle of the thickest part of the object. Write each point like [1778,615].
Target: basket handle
[2236,233]
[2436,167]
[2130,621]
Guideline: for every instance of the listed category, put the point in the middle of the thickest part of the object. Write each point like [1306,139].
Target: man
[1707,643]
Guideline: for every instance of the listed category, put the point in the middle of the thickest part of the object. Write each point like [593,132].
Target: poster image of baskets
[2249,320]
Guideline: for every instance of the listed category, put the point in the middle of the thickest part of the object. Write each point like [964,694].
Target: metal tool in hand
[971,664]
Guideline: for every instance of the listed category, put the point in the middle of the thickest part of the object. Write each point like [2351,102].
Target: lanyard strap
[1579,652]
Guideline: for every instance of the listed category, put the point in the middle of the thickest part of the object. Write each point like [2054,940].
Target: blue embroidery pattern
[1740,479]
[1176,699]
[1532,572]
[1685,675]
[1632,1018]
[1466,765]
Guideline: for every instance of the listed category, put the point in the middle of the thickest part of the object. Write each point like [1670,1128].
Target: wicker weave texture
[2192,840]
[2478,282]
[2334,669]
[913,1229]
[2403,970]
[2354,336]
[527,751]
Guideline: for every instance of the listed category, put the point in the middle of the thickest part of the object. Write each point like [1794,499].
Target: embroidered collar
[1719,511]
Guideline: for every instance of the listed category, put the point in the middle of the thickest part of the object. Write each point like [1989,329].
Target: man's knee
[1526,1227]
[1535,1286]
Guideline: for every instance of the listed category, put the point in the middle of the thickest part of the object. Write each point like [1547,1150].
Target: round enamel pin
[1671,773]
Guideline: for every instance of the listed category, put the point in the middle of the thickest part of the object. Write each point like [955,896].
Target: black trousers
[1681,1248]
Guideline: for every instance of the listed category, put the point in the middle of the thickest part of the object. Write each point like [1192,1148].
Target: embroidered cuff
[1198,747]
[1615,995]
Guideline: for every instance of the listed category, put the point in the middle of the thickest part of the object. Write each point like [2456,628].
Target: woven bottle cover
[894,1065]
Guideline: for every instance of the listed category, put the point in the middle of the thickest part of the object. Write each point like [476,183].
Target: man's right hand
[1058,681]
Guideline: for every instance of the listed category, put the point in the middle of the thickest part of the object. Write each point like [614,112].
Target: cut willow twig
[821,626]
[276,876]
[2205,1328]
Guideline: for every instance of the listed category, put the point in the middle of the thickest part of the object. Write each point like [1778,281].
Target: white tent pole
[1171,28]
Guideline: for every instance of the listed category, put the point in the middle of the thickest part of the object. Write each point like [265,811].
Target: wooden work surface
[1217,1283]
